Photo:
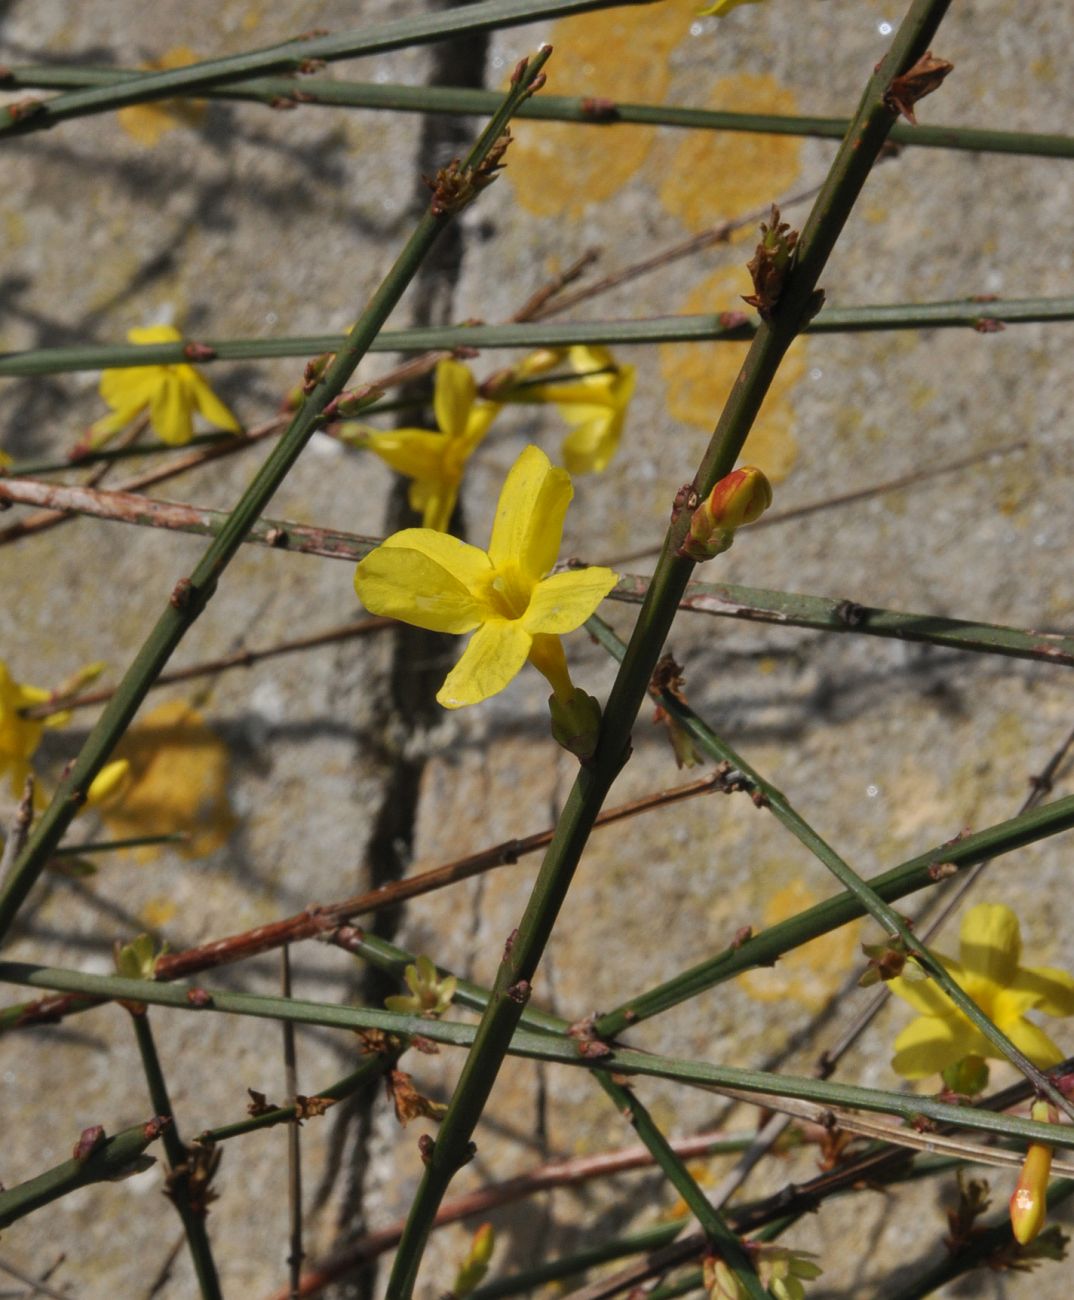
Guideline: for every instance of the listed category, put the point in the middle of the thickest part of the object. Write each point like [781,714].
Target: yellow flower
[171,395]
[438,582]
[20,737]
[146,123]
[990,971]
[595,405]
[435,460]
[719,8]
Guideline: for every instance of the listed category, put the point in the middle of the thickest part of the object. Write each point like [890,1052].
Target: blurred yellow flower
[594,404]
[990,971]
[146,123]
[435,461]
[170,393]
[719,8]
[436,581]
[179,772]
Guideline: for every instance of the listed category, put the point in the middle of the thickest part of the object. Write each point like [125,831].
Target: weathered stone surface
[258,223]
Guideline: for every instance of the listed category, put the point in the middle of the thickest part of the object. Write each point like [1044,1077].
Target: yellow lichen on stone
[558,168]
[812,973]
[179,778]
[699,377]
[718,174]
[146,123]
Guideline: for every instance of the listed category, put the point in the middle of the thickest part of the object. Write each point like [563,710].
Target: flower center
[509,592]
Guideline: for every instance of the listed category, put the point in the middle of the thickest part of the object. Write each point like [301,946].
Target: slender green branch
[290,56]
[178,1180]
[716,327]
[538,1046]
[113,846]
[725,600]
[871,901]
[190,596]
[115,1157]
[587,110]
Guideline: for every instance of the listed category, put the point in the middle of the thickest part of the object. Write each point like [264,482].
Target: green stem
[959,313]
[113,846]
[538,1046]
[178,1189]
[292,56]
[191,596]
[871,901]
[986,1242]
[725,600]
[118,1155]
[462,101]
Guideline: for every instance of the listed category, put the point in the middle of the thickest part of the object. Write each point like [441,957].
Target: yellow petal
[435,501]
[154,334]
[497,650]
[1032,1041]
[923,994]
[170,412]
[131,387]
[417,453]
[453,396]
[424,578]
[565,600]
[589,447]
[930,1044]
[480,421]
[1053,989]
[209,405]
[529,517]
[109,783]
[991,943]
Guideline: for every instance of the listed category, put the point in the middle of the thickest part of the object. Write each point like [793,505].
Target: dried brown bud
[770,263]
[922,79]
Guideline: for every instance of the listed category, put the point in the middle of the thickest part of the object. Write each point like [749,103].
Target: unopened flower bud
[739,498]
[576,722]
[1029,1204]
[718,1280]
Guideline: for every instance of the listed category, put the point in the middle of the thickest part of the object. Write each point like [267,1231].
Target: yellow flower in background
[170,393]
[438,582]
[435,461]
[721,7]
[991,972]
[20,737]
[179,771]
[146,123]
[595,404]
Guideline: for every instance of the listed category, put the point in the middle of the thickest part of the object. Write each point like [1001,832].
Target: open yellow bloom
[20,737]
[435,460]
[990,971]
[595,405]
[438,582]
[171,395]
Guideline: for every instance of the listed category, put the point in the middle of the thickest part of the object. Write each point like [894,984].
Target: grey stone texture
[255,223]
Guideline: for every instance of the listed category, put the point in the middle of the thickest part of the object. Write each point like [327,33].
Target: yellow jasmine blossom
[595,405]
[146,123]
[435,460]
[438,582]
[721,7]
[171,395]
[20,737]
[991,972]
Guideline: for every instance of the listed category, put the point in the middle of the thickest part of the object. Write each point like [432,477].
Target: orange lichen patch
[179,776]
[812,973]
[146,123]
[718,174]
[699,377]
[557,168]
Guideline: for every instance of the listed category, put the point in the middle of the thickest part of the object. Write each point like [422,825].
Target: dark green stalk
[118,1155]
[178,1179]
[870,900]
[987,1242]
[462,101]
[100,455]
[190,596]
[959,313]
[538,1046]
[291,56]
[113,846]
[371,1068]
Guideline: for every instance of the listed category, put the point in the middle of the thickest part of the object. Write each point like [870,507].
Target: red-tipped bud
[1029,1204]
[740,498]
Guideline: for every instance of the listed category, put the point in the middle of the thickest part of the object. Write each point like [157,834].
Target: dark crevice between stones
[420,659]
